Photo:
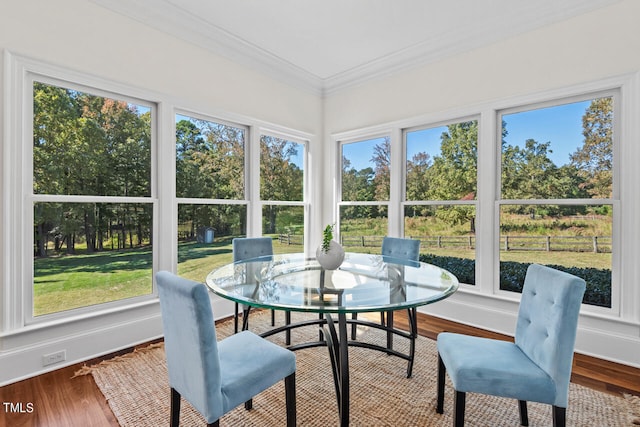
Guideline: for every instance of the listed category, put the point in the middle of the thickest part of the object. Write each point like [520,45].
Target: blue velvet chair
[400,249]
[216,377]
[245,248]
[409,250]
[536,367]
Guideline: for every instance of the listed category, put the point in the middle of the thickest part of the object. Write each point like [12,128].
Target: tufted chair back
[547,323]
[397,247]
[251,247]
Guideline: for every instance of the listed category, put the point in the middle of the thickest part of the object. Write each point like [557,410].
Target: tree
[594,160]
[280,178]
[209,165]
[454,172]
[88,145]
[382,176]
[418,181]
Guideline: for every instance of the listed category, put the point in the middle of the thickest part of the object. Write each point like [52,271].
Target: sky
[561,125]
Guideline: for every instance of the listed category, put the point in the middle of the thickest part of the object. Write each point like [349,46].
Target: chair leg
[216,423]
[290,393]
[458,409]
[559,416]
[235,319]
[273,318]
[175,408]
[287,321]
[440,393]
[524,415]
[354,316]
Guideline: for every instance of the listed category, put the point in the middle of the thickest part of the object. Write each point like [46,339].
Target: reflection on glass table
[363,283]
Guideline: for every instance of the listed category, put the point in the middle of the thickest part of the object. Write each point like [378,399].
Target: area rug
[135,386]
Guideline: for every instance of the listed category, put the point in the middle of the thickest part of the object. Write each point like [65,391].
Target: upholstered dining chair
[536,367]
[215,377]
[402,249]
[245,248]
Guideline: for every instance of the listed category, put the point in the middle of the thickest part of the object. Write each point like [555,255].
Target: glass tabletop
[363,283]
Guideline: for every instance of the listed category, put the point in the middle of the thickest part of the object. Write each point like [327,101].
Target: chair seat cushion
[249,365]
[493,367]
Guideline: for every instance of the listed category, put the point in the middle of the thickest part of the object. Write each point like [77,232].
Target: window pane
[209,159]
[90,253]
[205,233]
[447,237]
[363,227]
[560,152]
[365,170]
[281,169]
[573,238]
[286,225]
[442,162]
[89,145]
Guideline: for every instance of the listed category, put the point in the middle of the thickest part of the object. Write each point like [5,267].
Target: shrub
[512,275]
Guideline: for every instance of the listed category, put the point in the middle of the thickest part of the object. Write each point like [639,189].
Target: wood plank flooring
[60,400]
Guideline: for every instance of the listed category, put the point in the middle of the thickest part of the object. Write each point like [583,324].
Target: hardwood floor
[57,399]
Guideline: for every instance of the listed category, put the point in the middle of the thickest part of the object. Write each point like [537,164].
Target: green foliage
[512,276]
[327,237]
[594,160]
[92,146]
[598,290]
[464,269]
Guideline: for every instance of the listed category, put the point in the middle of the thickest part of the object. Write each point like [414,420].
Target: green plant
[327,237]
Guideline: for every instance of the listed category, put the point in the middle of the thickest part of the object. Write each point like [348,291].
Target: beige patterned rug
[135,385]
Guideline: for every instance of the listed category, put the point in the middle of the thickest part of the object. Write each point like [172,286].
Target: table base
[338,343]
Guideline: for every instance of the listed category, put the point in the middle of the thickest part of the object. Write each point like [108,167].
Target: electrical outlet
[52,358]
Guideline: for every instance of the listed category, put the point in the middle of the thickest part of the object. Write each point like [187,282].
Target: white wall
[82,37]
[593,46]
[586,50]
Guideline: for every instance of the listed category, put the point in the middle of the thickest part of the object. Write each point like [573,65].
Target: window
[210,190]
[557,192]
[282,192]
[365,189]
[440,194]
[91,197]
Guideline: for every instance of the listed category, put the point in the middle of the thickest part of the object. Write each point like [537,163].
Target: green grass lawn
[72,281]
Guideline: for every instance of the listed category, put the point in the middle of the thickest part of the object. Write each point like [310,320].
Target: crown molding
[168,18]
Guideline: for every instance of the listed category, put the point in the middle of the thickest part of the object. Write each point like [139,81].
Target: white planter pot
[331,259]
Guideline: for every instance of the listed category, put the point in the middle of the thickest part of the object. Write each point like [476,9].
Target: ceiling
[326,45]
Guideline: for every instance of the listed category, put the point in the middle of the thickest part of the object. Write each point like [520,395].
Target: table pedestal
[338,346]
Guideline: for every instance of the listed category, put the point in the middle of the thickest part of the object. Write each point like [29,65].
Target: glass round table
[363,283]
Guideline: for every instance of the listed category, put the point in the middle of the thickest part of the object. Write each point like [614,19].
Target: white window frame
[585,94]
[304,203]
[18,174]
[625,310]
[437,203]
[393,191]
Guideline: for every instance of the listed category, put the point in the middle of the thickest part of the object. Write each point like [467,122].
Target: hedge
[512,276]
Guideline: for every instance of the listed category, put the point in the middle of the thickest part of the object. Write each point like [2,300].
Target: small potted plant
[330,253]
